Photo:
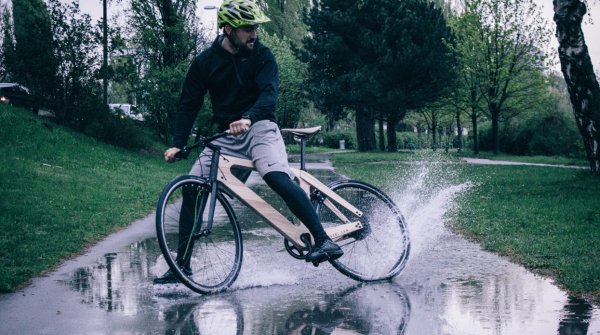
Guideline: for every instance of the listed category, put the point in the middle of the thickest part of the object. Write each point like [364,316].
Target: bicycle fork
[214,163]
[198,202]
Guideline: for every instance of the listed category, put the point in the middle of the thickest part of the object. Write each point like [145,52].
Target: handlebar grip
[183,153]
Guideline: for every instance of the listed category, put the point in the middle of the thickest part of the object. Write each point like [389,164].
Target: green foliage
[76,95]
[331,139]
[115,130]
[411,141]
[292,76]
[165,36]
[165,31]
[549,134]
[162,88]
[286,19]
[29,50]
[393,58]
[501,48]
[70,84]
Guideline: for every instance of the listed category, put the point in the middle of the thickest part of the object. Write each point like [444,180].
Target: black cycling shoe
[170,278]
[327,250]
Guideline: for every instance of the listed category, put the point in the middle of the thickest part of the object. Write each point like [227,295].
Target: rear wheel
[205,260]
[380,249]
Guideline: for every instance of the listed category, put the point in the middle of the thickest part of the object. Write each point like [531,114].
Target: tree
[292,76]
[28,48]
[377,58]
[416,64]
[164,37]
[76,42]
[509,36]
[467,94]
[165,31]
[286,19]
[579,75]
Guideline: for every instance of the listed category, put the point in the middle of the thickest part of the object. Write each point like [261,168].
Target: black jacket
[244,84]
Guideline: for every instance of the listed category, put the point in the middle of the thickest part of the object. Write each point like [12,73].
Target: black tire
[380,249]
[214,259]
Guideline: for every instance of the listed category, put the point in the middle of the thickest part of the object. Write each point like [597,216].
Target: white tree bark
[579,75]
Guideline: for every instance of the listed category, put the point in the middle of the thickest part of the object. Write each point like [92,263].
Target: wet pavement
[450,286]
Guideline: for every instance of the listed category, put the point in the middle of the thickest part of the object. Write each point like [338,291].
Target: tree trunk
[475,132]
[381,135]
[391,132]
[433,132]
[495,113]
[459,138]
[578,71]
[365,130]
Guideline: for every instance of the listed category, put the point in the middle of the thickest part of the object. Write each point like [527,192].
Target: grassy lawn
[61,191]
[545,218]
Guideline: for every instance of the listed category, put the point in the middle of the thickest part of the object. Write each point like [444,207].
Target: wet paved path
[450,286]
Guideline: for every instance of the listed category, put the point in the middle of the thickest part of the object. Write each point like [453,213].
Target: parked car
[18,96]
[127,110]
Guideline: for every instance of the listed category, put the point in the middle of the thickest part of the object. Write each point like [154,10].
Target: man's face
[244,37]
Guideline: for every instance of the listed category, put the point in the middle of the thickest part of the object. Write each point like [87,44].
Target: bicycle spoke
[380,249]
[208,262]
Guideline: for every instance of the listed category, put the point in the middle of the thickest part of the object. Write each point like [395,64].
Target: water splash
[425,197]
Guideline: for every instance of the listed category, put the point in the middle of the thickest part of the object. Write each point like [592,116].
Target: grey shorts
[262,144]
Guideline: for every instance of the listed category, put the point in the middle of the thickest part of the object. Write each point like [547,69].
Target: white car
[127,110]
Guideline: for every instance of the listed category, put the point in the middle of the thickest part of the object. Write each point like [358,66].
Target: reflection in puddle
[575,317]
[363,309]
[453,288]
[215,315]
[113,283]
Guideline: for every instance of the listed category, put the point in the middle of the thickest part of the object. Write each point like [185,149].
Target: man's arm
[190,102]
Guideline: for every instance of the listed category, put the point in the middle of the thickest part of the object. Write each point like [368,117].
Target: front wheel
[207,260]
[380,249]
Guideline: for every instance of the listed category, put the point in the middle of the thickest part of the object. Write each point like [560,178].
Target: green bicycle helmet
[237,13]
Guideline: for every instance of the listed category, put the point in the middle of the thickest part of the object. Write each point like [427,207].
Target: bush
[332,139]
[112,129]
[549,135]
[411,141]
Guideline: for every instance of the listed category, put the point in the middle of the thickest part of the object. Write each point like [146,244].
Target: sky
[591,30]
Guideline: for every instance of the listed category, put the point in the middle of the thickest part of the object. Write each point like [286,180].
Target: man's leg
[268,154]
[298,202]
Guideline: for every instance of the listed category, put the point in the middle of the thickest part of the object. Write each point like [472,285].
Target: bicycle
[205,251]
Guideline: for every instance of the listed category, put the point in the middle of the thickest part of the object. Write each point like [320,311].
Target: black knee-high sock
[297,201]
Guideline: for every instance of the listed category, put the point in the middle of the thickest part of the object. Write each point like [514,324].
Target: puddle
[450,286]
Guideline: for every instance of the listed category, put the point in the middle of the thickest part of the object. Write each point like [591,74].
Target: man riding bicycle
[241,76]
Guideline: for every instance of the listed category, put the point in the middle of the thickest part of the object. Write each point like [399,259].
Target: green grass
[61,191]
[545,218]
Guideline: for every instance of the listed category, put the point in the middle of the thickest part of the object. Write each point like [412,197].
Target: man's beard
[244,47]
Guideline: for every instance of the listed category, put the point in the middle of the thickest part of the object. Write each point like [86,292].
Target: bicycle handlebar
[185,151]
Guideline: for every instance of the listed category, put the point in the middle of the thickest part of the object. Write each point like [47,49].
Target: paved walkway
[495,162]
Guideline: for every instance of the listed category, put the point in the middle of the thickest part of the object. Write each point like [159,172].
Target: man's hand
[239,126]
[170,154]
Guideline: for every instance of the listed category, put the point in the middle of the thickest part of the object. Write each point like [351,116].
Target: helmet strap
[231,39]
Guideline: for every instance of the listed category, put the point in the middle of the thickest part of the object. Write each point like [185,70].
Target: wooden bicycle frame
[277,220]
